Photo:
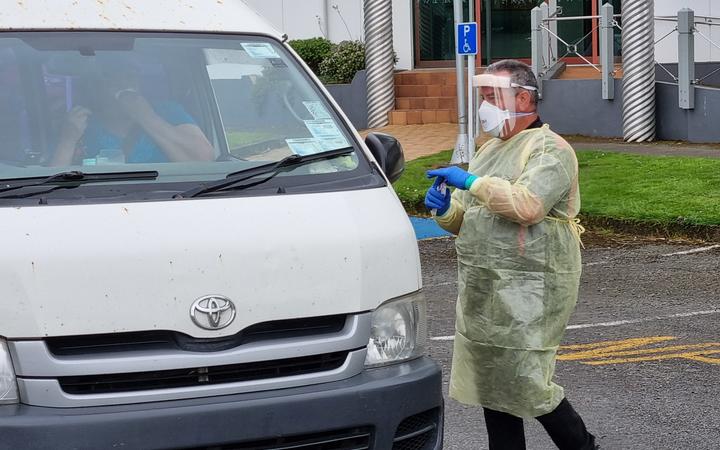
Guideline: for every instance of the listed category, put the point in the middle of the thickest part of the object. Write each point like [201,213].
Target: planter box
[352,98]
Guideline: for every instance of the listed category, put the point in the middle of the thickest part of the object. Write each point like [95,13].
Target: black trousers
[565,427]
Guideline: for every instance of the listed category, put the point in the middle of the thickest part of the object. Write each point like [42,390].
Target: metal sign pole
[470,92]
[467,38]
[471,107]
[460,155]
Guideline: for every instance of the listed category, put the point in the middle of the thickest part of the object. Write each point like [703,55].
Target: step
[443,78]
[423,90]
[420,117]
[426,103]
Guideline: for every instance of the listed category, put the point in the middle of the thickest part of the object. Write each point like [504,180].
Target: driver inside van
[126,126]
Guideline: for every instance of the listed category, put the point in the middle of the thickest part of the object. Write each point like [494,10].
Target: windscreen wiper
[72,179]
[273,169]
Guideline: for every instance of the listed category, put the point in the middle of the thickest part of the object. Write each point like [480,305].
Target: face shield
[497,112]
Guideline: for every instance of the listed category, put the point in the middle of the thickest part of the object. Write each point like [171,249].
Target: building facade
[424,29]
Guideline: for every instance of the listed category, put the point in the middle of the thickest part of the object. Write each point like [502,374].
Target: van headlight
[8,385]
[398,331]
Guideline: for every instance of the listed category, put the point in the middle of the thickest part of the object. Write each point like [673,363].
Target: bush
[313,51]
[344,61]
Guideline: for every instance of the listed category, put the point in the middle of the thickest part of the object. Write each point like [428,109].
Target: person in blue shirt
[125,120]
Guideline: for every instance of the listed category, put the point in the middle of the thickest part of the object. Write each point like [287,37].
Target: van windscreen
[192,108]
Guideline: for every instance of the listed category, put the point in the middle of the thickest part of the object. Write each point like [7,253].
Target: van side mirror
[389,154]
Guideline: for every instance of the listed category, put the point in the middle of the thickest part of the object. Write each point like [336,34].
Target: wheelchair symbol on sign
[466,39]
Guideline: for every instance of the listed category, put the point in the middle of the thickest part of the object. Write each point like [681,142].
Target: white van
[197,249]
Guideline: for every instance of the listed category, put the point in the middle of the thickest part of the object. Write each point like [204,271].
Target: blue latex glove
[437,200]
[454,176]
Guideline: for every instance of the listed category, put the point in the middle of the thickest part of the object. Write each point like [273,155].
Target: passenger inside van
[122,126]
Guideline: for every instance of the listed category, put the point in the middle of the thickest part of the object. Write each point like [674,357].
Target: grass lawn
[636,188]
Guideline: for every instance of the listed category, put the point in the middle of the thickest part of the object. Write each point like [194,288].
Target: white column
[379,61]
[638,46]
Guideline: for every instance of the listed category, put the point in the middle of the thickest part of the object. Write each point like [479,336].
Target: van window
[191,108]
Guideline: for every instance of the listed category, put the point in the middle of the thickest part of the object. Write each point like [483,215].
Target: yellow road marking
[612,346]
[688,355]
[715,361]
[639,350]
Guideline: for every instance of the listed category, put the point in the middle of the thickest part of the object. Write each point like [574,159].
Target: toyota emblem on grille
[212,312]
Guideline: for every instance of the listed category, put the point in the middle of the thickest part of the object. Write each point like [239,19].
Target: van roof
[221,16]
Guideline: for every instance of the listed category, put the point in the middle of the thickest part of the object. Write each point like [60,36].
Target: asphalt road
[644,371]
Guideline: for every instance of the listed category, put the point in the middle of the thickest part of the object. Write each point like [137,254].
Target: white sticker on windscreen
[304,146]
[327,133]
[260,50]
[317,110]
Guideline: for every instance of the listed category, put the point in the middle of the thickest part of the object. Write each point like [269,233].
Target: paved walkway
[422,140]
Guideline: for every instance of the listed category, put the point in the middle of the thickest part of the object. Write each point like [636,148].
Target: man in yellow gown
[518,246]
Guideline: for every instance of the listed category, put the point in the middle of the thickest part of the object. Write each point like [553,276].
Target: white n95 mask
[492,119]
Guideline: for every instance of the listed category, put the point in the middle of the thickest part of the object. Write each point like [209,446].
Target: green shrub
[312,51]
[344,61]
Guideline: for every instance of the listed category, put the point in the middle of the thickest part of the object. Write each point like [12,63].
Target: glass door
[582,33]
[617,9]
[506,29]
[435,32]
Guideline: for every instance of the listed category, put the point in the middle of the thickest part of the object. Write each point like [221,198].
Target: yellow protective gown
[518,271]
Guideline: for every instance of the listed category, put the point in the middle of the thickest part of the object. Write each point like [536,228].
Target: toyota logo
[212,312]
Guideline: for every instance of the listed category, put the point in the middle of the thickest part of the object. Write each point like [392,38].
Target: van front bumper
[399,403]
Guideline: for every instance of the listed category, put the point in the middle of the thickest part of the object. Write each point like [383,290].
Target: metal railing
[546,39]
[687,28]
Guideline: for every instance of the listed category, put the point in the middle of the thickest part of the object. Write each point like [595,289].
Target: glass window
[575,32]
[435,29]
[191,108]
[510,28]
[14,121]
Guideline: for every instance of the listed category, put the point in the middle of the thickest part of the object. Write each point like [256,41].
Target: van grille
[349,439]
[169,340]
[167,379]
[418,432]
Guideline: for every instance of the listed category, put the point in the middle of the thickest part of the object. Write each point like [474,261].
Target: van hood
[87,269]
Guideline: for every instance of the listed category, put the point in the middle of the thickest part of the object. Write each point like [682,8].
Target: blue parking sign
[467,38]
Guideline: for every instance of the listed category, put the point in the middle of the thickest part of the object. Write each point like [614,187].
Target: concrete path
[423,140]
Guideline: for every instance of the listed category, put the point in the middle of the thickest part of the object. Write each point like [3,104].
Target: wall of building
[697,125]
[403,33]
[708,72]
[352,98]
[313,18]
[666,51]
[592,116]
[302,19]
[603,118]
